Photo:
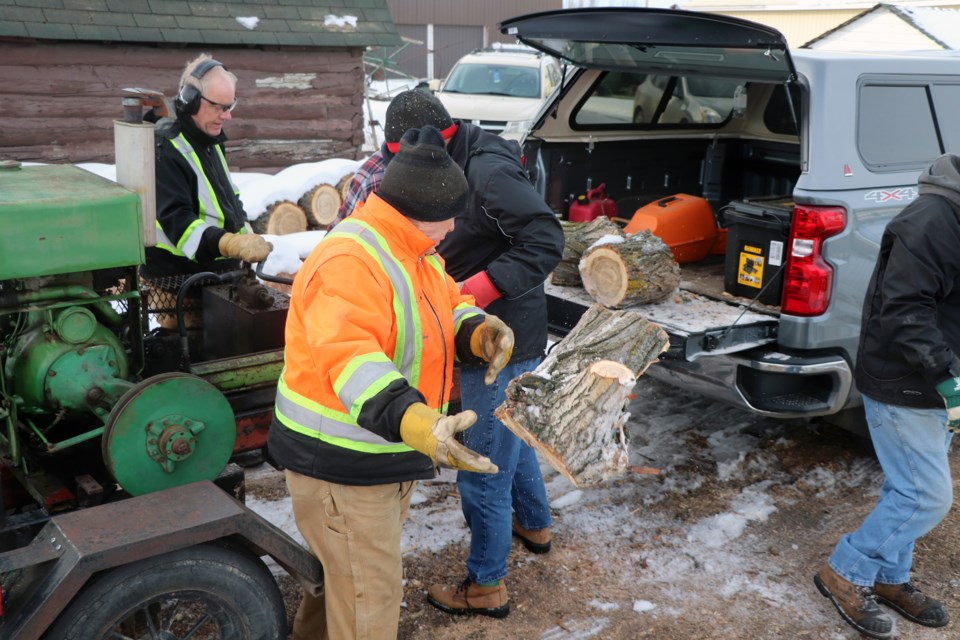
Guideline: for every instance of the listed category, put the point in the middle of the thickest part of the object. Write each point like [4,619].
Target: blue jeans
[917,492]
[489,499]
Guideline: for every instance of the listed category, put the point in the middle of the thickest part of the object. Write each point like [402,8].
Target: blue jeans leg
[488,499]
[917,492]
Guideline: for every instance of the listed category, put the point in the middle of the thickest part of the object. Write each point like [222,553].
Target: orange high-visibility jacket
[371,329]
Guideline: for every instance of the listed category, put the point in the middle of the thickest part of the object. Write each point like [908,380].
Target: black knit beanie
[414,109]
[422,181]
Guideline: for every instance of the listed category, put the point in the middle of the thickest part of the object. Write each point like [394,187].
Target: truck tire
[205,592]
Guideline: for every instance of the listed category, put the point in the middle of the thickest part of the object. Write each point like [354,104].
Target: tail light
[809,279]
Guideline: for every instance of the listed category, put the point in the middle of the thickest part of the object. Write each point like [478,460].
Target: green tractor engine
[72,397]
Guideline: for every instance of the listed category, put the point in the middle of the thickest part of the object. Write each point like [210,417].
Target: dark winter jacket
[508,231]
[910,333]
[178,204]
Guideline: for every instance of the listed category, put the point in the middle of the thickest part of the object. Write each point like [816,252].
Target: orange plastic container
[685,223]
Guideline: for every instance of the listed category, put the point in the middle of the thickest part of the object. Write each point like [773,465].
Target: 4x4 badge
[892,195]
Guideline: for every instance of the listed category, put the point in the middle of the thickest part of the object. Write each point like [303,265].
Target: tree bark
[572,407]
[577,237]
[640,269]
[321,205]
[281,218]
[343,185]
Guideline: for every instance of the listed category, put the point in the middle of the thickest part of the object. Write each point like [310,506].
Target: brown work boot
[470,598]
[535,540]
[909,602]
[857,605]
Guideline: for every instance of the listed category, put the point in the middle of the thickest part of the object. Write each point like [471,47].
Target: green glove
[492,340]
[432,434]
[950,390]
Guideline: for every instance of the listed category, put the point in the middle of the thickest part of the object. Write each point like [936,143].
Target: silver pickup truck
[803,157]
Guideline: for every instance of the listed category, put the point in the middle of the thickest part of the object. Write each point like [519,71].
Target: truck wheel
[206,592]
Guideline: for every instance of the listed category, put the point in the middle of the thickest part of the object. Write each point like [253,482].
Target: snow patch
[248,22]
[642,606]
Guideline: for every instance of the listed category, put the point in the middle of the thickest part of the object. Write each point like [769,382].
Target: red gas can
[592,206]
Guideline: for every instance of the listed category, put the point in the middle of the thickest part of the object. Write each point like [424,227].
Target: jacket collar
[402,236]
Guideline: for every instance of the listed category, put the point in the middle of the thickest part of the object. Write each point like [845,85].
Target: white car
[492,87]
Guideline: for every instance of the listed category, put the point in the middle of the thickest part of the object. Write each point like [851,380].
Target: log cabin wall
[58,100]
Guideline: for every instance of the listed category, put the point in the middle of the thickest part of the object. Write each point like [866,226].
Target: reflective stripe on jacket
[369,311]
[210,214]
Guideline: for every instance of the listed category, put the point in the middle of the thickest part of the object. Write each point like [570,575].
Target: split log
[639,269]
[281,218]
[343,185]
[572,408]
[577,237]
[321,205]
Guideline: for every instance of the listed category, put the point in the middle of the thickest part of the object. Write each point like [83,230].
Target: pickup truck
[804,163]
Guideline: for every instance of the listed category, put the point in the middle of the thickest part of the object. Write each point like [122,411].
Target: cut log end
[280,219]
[321,205]
[608,278]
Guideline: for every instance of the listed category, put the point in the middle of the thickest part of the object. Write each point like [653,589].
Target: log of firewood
[572,408]
[321,205]
[281,218]
[577,237]
[640,269]
[343,185]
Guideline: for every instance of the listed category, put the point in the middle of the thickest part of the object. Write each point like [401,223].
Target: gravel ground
[722,544]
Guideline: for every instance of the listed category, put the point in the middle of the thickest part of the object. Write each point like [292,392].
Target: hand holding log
[492,340]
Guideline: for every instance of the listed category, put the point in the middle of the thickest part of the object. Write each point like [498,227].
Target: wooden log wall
[58,101]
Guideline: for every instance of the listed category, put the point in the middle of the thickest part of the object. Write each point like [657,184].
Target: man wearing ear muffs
[200,218]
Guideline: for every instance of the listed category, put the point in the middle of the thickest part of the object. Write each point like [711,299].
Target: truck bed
[700,318]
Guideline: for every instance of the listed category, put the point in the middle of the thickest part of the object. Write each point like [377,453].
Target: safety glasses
[223,107]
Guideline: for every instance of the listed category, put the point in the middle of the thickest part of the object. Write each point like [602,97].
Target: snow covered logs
[316,209]
[572,408]
[577,237]
[637,269]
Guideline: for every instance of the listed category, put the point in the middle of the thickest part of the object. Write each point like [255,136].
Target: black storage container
[757,233]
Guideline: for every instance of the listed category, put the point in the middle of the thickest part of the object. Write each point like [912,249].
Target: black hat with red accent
[422,181]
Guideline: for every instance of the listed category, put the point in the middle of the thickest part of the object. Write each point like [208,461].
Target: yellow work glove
[492,340]
[248,247]
[432,434]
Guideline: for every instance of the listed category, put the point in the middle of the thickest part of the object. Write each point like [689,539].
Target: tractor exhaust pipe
[133,150]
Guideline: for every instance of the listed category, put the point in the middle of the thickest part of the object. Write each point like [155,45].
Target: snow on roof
[942,25]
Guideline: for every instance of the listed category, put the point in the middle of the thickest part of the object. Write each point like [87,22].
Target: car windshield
[494,79]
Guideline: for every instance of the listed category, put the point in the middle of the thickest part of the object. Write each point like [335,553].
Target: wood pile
[316,209]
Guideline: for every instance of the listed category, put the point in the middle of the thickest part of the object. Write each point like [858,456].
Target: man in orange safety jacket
[372,331]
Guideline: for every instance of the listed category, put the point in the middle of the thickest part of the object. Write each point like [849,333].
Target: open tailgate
[697,325]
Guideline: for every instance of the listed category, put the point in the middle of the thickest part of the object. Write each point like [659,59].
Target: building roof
[302,23]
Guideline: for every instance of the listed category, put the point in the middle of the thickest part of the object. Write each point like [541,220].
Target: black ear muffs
[188,100]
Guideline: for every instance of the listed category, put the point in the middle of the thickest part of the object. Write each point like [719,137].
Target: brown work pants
[355,532]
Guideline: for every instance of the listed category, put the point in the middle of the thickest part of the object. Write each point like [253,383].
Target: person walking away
[909,375]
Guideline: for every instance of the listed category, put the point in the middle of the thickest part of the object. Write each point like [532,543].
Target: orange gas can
[685,223]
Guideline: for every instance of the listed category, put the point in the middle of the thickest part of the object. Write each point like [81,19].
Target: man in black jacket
[502,249]
[200,218]
[909,374]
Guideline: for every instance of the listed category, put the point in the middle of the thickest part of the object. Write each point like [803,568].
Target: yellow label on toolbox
[750,271]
